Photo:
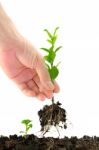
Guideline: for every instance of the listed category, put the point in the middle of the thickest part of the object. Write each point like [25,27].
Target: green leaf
[30,126]
[50,57]
[26,121]
[54,39]
[51,48]
[58,48]
[48,33]
[49,41]
[55,30]
[53,72]
[52,51]
[45,49]
[47,58]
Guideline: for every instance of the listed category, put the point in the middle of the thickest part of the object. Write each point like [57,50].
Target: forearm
[8,31]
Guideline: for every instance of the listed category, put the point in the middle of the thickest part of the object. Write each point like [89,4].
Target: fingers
[48,93]
[44,79]
[56,87]
[32,85]
[43,74]
[31,89]
[42,89]
[26,90]
[41,96]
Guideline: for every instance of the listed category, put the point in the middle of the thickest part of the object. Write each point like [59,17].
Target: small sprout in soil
[28,125]
[52,114]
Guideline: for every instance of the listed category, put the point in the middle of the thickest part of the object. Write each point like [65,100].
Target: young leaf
[51,48]
[48,33]
[49,41]
[45,49]
[30,126]
[47,58]
[55,30]
[52,56]
[26,121]
[53,72]
[54,39]
[58,48]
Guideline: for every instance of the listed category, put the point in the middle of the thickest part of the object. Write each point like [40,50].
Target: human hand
[22,62]
[25,66]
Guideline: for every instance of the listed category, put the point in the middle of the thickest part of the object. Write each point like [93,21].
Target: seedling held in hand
[53,114]
[28,125]
[51,55]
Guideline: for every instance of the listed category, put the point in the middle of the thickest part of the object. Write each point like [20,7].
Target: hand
[25,66]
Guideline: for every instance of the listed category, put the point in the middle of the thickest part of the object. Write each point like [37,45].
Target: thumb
[43,73]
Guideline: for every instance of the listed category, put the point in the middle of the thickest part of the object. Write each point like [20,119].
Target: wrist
[8,32]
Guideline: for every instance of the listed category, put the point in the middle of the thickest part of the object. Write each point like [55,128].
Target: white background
[79,71]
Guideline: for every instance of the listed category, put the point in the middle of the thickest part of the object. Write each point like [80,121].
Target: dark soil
[33,143]
[52,115]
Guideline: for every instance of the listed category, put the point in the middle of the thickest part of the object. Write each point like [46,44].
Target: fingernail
[51,96]
[50,85]
[41,98]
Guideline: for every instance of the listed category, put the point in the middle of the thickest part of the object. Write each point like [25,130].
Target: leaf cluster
[28,125]
[51,53]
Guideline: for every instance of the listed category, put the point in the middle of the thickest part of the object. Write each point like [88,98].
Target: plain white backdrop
[79,71]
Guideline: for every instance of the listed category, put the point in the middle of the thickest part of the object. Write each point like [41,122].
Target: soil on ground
[51,115]
[31,142]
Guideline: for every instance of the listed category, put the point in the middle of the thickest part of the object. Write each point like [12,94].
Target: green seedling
[28,125]
[52,115]
[51,55]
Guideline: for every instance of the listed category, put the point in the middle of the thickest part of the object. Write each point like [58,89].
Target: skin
[22,63]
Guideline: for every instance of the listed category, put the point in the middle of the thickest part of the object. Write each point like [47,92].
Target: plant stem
[53,100]
[53,83]
[26,131]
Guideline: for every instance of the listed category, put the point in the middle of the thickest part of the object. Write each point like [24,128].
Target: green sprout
[51,55]
[28,125]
